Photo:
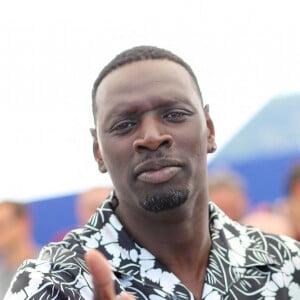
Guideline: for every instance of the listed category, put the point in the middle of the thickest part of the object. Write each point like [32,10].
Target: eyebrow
[132,108]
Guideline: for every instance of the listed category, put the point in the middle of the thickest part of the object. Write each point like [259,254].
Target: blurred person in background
[227,189]
[86,204]
[270,222]
[88,201]
[289,206]
[16,240]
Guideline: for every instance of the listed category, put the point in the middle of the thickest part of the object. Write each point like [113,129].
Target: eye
[123,127]
[176,116]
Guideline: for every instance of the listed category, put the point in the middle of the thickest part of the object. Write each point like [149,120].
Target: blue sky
[243,52]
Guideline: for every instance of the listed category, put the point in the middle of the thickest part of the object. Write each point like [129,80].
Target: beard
[165,200]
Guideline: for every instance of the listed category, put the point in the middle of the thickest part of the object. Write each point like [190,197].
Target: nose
[152,137]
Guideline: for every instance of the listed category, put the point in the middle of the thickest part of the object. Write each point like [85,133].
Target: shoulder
[251,245]
[285,251]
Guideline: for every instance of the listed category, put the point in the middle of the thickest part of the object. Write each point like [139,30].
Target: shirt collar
[237,245]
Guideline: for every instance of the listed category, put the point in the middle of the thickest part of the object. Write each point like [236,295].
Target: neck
[181,243]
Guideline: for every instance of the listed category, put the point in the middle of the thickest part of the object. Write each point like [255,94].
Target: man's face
[151,134]
[9,227]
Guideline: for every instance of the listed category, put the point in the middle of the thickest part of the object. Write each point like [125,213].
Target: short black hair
[141,53]
[20,210]
[293,176]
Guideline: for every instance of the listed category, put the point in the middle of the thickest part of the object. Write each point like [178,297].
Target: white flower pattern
[244,263]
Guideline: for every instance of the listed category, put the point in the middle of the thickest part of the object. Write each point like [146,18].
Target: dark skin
[152,135]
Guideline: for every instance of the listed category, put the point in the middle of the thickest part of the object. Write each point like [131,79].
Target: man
[16,240]
[289,206]
[269,221]
[227,190]
[88,201]
[86,204]
[161,236]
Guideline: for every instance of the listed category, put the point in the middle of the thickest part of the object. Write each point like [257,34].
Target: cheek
[196,145]
[115,156]
[196,136]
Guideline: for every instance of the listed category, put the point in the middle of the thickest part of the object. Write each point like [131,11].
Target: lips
[157,170]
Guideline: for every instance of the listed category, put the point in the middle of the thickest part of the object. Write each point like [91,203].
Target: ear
[211,143]
[97,153]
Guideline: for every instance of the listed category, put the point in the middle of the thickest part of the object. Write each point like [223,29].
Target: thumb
[99,268]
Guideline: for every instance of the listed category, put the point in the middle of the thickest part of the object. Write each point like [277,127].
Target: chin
[162,201]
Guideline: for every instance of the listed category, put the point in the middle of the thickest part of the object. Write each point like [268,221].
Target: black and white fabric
[244,263]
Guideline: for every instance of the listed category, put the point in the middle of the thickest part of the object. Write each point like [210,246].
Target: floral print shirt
[244,263]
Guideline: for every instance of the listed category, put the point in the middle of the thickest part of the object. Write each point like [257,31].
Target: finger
[125,296]
[102,275]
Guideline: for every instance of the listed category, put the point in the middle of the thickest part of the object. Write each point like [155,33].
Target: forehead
[148,78]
